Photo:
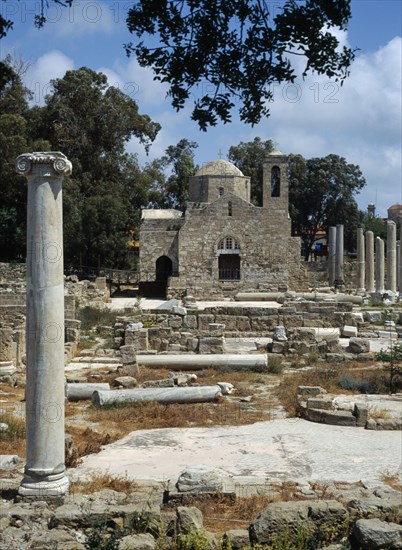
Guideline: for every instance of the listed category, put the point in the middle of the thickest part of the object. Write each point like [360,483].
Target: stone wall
[12,338]
[205,331]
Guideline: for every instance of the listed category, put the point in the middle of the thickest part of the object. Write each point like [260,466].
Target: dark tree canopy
[322,194]
[228,51]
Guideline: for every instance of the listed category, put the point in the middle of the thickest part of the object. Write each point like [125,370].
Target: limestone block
[190,322]
[128,354]
[204,320]
[125,382]
[228,320]
[361,413]
[306,335]
[278,517]
[292,321]
[279,334]
[349,331]
[334,418]
[179,310]
[376,534]
[216,327]
[175,322]
[202,479]
[358,345]
[372,316]
[212,344]
[9,462]
[321,403]
[134,326]
[263,323]
[279,347]
[243,324]
[7,368]
[383,507]
[189,519]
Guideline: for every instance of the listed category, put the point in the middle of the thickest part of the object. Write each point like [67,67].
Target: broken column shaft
[44,469]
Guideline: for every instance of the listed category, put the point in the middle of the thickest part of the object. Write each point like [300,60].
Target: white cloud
[48,67]
[360,121]
[138,83]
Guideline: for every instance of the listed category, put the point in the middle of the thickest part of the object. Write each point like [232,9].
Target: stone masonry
[223,243]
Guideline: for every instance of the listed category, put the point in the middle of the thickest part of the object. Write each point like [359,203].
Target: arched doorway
[163,269]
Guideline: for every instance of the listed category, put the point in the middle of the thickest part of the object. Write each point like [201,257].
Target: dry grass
[222,511]
[379,414]
[141,416]
[105,480]
[89,441]
[394,480]
[12,441]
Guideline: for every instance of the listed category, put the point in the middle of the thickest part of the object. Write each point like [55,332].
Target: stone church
[223,244]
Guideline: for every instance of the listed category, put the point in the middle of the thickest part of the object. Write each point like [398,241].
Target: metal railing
[229,274]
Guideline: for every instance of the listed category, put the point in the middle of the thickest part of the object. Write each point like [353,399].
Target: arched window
[275,181]
[228,243]
[221,191]
[230,209]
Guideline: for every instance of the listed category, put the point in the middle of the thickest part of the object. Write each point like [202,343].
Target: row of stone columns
[370,272]
[370,275]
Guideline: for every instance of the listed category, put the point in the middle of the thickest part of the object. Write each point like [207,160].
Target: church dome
[219,168]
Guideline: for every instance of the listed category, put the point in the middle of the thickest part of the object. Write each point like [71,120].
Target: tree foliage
[14,140]
[374,224]
[170,190]
[321,194]
[91,122]
[223,51]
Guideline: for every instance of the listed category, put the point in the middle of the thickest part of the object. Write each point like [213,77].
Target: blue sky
[360,121]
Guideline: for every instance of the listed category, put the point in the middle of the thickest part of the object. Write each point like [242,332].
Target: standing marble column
[44,469]
[391,256]
[360,279]
[370,261]
[398,263]
[331,255]
[339,256]
[379,265]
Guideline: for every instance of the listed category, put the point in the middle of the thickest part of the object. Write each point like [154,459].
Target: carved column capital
[27,162]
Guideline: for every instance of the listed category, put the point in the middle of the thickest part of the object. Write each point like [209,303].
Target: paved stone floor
[292,449]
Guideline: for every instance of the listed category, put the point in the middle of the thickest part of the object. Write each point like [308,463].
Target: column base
[51,486]
[7,368]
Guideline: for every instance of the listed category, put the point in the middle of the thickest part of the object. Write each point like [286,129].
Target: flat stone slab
[274,450]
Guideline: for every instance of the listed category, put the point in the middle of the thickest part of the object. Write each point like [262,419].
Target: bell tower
[275,182]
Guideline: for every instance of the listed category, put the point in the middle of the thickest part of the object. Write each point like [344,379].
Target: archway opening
[163,269]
